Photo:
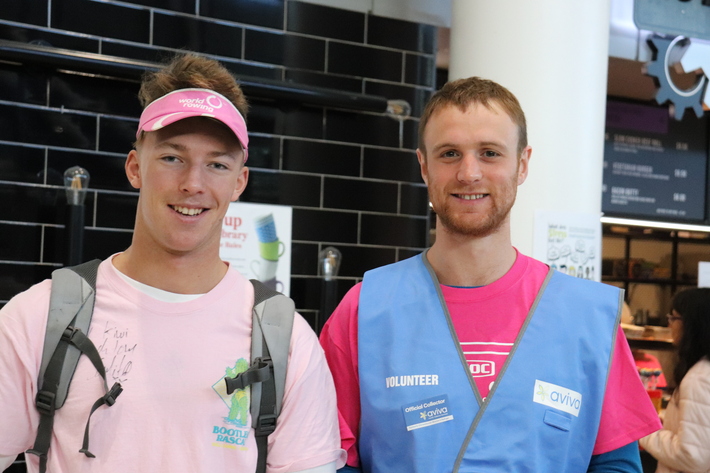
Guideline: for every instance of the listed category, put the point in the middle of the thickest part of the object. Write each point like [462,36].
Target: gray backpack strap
[272,324]
[71,304]
[273,320]
[72,299]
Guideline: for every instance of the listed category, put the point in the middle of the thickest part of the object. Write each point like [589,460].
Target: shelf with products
[651,265]
[651,256]
[667,281]
[648,337]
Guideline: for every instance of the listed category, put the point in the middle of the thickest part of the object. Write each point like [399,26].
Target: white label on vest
[558,397]
[430,411]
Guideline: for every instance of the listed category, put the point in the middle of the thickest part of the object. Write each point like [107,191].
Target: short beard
[483,227]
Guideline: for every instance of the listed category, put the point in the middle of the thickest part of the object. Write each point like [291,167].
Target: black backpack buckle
[69,333]
[112,394]
[265,425]
[45,402]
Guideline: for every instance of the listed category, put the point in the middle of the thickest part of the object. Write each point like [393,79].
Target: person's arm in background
[688,448]
[339,341]
[622,460]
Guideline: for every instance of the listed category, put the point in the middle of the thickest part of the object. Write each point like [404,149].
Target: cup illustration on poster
[270,250]
[256,242]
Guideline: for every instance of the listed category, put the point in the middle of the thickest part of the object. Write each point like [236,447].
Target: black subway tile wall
[22,86]
[184,32]
[399,34]
[268,13]
[365,61]
[17,10]
[418,69]
[329,81]
[20,242]
[285,49]
[364,128]
[184,6]
[321,158]
[44,37]
[326,22]
[351,176]
[22,164]
[356,194]
[93,94]
[99,19]
[381,163]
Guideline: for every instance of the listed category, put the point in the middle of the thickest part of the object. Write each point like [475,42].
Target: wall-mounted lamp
[399,109]
[328,266]
[76,181]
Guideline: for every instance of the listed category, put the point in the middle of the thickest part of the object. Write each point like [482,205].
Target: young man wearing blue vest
[472,357]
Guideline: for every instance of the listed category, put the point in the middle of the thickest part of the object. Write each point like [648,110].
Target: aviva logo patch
[551,395]
[427,412]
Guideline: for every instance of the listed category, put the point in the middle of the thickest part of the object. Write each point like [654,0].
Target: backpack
[71,305]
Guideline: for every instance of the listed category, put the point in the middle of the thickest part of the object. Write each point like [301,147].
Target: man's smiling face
[187,173]
[472,168]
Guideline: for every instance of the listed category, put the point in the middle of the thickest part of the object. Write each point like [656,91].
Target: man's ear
[133,169]
[422,166]
[523,163]
[241,183]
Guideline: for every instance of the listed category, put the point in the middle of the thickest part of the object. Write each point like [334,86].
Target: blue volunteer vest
[421,410]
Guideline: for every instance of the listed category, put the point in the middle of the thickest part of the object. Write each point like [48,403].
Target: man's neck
[468,262]
[180,274]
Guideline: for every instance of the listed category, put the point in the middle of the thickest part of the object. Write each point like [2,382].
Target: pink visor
[186,103]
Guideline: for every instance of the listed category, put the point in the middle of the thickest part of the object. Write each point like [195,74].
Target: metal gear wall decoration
[667,91]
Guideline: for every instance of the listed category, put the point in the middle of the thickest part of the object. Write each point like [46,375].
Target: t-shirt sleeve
[339,341]
[306,434]
[22,327]
[627,413]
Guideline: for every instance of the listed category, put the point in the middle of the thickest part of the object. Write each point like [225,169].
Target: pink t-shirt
[499,310]
[174,414]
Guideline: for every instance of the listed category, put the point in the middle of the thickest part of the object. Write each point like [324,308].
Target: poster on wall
[256,241]
[654,166]
[569,242]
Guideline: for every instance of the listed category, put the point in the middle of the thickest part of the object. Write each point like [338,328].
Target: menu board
[654,166]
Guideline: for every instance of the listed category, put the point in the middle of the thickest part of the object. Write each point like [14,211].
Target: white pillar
[552,54]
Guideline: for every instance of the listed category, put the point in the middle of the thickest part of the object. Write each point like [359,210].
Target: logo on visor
[212,98]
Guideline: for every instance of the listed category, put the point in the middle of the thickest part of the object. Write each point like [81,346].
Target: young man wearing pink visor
[170,317]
